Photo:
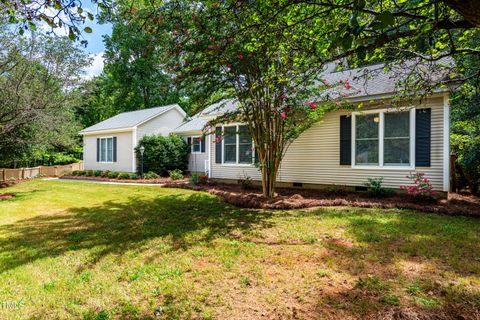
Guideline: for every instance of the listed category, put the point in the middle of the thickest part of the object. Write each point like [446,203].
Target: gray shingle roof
[127,120]
[195,124]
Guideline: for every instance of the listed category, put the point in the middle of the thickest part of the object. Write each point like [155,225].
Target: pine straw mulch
[161,180]
[456,204]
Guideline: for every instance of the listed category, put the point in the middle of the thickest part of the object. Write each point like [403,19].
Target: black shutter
[218,145]
[345,140]
[114,149]
[189,141]
[98,149]
[423,137]
[203,144]
[257,160]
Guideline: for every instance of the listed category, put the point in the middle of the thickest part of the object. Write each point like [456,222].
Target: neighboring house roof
[129,120]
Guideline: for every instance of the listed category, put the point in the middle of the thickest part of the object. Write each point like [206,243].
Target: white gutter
[446,143]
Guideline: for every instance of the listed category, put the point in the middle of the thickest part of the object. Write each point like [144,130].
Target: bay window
[383,139]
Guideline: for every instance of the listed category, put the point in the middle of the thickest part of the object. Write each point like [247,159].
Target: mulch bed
[161,180]
[456,204]
[6,196]
[7,184]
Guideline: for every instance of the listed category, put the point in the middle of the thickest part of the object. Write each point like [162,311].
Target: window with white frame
[384,138]
[237,145]
[106,149]
[196,144]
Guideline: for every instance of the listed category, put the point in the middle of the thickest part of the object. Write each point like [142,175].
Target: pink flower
[325,82]
[241,56]
[313,106]
[283,115]
[284,97]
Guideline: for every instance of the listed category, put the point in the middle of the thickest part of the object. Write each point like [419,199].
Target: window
[237,145]
[106,149]
[244,145]
[383,138]
[366,142]
[196,145]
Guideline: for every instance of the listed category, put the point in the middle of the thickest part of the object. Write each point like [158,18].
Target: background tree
[36,74]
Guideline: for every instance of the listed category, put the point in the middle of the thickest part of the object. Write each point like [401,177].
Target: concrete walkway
[117,183]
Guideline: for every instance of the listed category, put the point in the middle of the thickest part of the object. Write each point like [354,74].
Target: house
[345,148]
[110,144]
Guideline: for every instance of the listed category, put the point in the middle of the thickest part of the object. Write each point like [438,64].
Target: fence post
[4,175]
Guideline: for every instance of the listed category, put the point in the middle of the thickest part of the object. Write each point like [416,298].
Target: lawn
[76,250]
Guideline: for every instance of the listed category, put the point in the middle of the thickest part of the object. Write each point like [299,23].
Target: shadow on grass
[115,227]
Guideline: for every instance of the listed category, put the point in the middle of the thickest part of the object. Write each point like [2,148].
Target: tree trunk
[469,9]
[269,178]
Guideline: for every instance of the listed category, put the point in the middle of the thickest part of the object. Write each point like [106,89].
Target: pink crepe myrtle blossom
[311,104]
[283,115]
[241,56]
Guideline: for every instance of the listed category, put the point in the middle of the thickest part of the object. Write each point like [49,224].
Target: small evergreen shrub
[162,154]
[113,175]
[375,188]
[89,173]
[421,188]
[123,176]
[151,175]
[246,182]
[97,173]
[133,176]
[105,174]
[175,174]
[81,173]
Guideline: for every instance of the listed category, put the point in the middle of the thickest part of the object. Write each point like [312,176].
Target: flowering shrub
[421,187]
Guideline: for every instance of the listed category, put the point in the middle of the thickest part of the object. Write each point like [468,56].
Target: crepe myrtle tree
[278,87]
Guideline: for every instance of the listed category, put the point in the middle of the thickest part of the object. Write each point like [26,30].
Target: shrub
[97,173]
[105,174]
[175,174]
[163,154]
[197,178]
[40,175]
[81,173]
[133,176]
[113,175]
[246,182]
[151,175]
[89,173]
[75,173]
[375,188]
[123,176]
[421,188]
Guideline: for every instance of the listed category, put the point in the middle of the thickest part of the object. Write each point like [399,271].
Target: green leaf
[71,35]
[58,5]
[79,9]
[32,25]
[88,30]
[386,18]
[90,16]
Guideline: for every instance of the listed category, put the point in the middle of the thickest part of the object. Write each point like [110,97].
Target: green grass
[74,250]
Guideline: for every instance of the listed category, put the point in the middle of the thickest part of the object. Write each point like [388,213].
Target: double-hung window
[383,139]
[106,149]
[196,145]
[237,145]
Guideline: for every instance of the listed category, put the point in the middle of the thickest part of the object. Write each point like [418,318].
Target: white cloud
[96,67]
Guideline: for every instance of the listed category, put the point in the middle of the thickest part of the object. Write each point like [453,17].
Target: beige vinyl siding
[314,158]
[162,124]
[124,152]
[196,162]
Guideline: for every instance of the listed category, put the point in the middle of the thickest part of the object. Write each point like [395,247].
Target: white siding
[196,162]
[314,157]
[124,152]
[163,124]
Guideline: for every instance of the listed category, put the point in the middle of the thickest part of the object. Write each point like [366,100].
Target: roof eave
[97,132]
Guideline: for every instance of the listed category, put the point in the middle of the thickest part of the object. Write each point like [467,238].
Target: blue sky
[95,47]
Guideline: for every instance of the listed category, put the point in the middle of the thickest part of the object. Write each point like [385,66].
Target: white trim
[108,131]
[134,145]
[381,135]
[209,155]
[446,143]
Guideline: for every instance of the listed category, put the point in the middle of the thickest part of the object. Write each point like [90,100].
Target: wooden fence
[28,173]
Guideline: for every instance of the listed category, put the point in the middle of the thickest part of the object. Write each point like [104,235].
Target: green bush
[133,176]
[175,174]
[162,154]
[105,174]
[89,173]
[113,175]
[81,172]
[197,178]
[75,173]
[151,175]
[97,173]
[375,188]
[123,176]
